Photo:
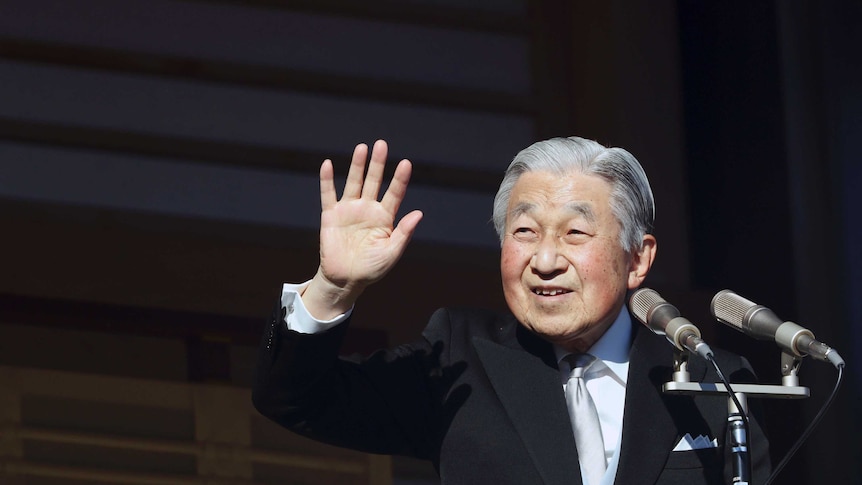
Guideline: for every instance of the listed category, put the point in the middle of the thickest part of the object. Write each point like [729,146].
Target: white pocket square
[687,443]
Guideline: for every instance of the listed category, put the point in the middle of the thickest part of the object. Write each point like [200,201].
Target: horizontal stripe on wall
[211,192]
[266,118]
[269,77]
[281,38]
[237,154]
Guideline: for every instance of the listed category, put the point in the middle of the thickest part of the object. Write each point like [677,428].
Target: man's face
[564,272]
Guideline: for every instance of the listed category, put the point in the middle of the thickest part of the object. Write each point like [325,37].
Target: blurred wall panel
[140,184]
[201,111]
[279,37]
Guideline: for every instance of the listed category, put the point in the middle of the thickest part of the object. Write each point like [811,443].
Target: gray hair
[631,197]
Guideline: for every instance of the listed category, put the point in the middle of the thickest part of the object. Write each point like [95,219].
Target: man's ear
[642,261]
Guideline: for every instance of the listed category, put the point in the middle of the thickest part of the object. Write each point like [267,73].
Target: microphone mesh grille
[730,308]
[642,301]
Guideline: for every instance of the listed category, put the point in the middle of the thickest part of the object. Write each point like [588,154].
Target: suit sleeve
[384,403]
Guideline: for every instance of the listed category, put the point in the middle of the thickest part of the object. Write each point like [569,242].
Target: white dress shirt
[606,380]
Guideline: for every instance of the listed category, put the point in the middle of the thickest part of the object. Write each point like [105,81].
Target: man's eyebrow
[521,208]
[583,209]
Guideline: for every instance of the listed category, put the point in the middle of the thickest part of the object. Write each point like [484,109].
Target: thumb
[404,230]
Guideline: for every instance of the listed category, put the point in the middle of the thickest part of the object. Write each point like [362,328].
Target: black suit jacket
[481,398]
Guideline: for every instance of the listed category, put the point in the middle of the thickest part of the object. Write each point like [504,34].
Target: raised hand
[359,241]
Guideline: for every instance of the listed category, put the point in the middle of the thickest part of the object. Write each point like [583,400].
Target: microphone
[761,323]
[664,319]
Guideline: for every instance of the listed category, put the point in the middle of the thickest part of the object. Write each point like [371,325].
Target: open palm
[359,241]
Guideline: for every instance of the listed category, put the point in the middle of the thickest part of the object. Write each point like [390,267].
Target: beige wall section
[11,450]
[91,443]
[222,421]
[92,352]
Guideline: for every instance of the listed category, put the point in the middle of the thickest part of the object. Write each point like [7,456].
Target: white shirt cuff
[297,317]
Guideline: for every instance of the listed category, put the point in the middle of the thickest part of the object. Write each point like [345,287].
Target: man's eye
[524,234]
[574,235]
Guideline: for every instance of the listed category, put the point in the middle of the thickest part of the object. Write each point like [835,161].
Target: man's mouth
[550,291]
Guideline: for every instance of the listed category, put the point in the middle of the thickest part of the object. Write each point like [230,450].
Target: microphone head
[744,315]
[730,308]
[642,301]
[652,310]
[763,324]
[662,318]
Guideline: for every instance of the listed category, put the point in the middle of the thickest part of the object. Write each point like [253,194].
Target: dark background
[158,163]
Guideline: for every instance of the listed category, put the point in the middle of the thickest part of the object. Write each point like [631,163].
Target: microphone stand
[737,415]
[738,437]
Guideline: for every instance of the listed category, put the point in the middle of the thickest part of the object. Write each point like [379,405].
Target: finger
[328,197]
[404,231]
[398,187]
[353,186]
[374,179]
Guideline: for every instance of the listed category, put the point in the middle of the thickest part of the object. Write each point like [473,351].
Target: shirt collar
[612,348]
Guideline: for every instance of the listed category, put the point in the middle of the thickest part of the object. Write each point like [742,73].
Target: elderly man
[565,389]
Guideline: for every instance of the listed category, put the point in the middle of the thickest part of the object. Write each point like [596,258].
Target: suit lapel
[649,430]
[531,393]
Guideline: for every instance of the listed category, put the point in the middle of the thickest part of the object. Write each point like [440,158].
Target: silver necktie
[585,420]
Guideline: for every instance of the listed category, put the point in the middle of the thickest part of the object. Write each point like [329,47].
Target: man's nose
[547,258]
